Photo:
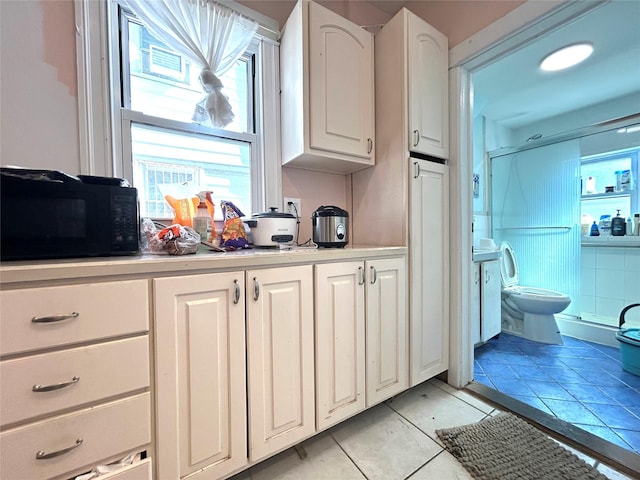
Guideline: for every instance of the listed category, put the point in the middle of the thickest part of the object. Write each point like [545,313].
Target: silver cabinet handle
[55,386]
[369,145]
[374,275]
[487,278]
[256,289]
[361,282]
[416,169]
[416,138]
[236,294]
[55,318]
[42,455]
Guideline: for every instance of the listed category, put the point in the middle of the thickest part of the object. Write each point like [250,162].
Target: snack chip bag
[233,235]
[212,237]
[182,200]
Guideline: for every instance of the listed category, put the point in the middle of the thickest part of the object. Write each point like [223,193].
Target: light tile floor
[395,440]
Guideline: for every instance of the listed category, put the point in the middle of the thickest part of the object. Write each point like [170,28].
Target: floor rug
[505,447]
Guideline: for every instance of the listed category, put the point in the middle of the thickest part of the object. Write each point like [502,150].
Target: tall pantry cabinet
[400,203]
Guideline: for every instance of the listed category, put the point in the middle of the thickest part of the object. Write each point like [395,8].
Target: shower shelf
[612,241]
[606,195]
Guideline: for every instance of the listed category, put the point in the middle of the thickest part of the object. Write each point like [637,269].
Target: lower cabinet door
[340,341]
[386,327]
[200,375]
[491,299]
[280,358]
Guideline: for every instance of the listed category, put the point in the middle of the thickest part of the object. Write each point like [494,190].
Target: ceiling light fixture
[566,57]
[632,129]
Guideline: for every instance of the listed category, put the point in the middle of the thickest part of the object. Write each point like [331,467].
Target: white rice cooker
[330,226]
[272,228]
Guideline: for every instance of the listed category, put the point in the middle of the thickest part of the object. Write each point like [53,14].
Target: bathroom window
[609,185]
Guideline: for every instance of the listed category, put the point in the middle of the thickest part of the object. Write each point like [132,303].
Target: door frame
[519,27]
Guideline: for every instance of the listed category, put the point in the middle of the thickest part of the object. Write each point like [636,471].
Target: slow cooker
[272,228]
[330,227]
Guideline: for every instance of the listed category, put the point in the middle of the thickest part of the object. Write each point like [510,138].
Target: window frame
[633,195]
[105,144]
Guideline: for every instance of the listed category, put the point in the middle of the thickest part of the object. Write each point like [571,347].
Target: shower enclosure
[537,202]
[535,206]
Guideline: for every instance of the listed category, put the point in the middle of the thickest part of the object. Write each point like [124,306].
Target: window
[109,122]
[159,91]
[603,189]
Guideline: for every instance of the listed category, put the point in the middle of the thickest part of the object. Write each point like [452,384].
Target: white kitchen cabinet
[361,352]
[387,366]
[327,91]
[429,270]
[340,341]
[200,375]
[490,300]
[428,86]
[280,358]
[405,201]
[64,407]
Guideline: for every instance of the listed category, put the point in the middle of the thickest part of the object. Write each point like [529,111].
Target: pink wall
[39,109]
[457,19]
[460,19]
[39,117]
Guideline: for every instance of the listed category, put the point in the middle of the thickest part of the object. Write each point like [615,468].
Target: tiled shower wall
[610,279]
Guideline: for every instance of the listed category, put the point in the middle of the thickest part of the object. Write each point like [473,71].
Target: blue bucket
[629,339]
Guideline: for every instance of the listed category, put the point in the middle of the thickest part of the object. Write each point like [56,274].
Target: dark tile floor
[579,382]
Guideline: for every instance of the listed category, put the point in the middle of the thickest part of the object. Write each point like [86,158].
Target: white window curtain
[210,35]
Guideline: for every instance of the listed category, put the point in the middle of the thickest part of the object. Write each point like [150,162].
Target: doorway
[495,42]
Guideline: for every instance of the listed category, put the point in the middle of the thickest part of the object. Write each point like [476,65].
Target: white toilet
[528,312]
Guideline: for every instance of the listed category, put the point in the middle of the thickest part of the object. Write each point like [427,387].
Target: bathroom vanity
[486,321]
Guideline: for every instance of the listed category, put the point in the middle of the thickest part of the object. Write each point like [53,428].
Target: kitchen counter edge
[14,273]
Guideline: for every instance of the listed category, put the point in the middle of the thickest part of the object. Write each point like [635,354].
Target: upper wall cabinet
[428,62]
[327,91]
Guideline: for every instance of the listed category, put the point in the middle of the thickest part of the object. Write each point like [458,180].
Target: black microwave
[49,214]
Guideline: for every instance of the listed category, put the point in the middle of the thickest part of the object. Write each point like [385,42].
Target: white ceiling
[514,92]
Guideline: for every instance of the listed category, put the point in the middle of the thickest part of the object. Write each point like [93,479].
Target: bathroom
[531,191]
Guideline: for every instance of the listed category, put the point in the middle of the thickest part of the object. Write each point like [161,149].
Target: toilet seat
[540,294]
[509,272]
[509,276]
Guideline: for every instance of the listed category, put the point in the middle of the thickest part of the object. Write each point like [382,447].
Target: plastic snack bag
[212,235]
[174,240]
[233,235]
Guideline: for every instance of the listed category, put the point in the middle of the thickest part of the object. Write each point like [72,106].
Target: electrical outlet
[289,204]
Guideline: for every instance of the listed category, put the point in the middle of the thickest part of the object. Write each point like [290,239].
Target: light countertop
[486,255]
[13,273]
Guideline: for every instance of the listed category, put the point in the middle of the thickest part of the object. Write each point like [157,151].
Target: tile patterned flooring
[395,440]
[580,382]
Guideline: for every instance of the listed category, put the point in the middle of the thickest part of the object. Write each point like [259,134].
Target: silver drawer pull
[374,275]
[256,289]
[55,318]
[236,294]
[416,136]
[41,455]
[361,270]
[55,386]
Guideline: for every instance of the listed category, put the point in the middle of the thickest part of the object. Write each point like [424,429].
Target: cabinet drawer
[103,310]
[93,366]
[137,471]
[105,432]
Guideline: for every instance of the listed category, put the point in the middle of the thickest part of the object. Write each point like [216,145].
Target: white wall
[620,107]
[610,279]
[38,112]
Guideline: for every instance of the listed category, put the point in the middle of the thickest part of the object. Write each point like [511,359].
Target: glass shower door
[535,206]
